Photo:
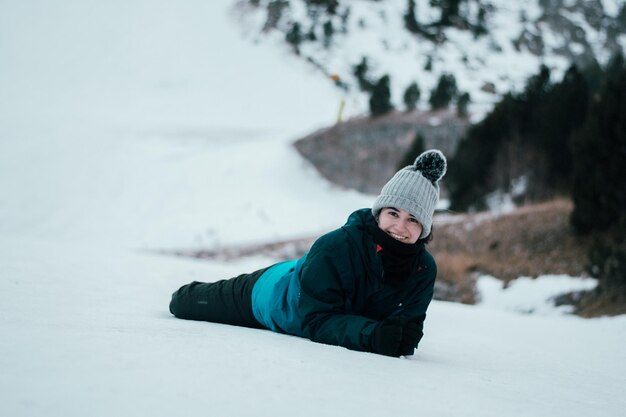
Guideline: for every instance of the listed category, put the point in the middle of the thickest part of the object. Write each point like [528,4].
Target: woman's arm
[325,283]
[414,308]
[421,294]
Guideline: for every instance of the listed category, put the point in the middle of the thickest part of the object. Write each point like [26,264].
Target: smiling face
[399,224]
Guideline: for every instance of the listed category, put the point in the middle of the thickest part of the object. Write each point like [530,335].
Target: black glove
[412,333]
[387,336]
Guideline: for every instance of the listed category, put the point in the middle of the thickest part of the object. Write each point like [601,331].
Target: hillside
[490,47]
[363,153]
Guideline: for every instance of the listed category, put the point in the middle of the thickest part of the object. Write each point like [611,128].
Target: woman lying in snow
[365,286]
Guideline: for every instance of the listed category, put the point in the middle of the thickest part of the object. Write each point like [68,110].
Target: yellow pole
[337,79]
[340,112]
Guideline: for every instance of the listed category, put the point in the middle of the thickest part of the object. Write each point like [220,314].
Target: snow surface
[528,295]
[128,127]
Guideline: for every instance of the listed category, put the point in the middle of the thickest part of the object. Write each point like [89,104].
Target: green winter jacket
[336,293]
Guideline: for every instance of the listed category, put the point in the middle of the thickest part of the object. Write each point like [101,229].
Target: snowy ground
[127,127]
[86,332]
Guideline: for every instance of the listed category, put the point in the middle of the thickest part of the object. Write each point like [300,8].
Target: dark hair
[427,239]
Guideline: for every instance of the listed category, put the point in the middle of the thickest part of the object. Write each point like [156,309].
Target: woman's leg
[227,301]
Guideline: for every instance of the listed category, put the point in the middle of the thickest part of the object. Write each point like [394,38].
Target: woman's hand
[397,336]
[412,333]
[387,336]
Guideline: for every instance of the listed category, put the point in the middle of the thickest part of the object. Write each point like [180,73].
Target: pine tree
[416,149]
[469,169]
[480,28]
[599,187]
[360,72]
[294,37]
[429,64]
[344,20]
[593,74]
[561,111]
[311,36]
[328,33]
[380,100]
[411,96]
[444,93]
[449,11]
[621,17]
[462,105]
[607,259]
[615,66]
[410,21]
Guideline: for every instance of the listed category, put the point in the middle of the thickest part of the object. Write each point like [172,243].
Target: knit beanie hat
[415,188]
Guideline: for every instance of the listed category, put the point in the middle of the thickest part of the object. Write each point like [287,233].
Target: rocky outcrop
[363,153]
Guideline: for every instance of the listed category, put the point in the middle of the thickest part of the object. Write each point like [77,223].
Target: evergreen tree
[599,188]
[535,91]
[621,17]
[416,149]
[449,11]
[294,37]
[607,259]
[561,111]
[344,20]
[480,28]
[328,33]
[429,64]
[615,66]
[380,100]
[410,21]
[540,121]
[462,104]
[560,140]
[444,93]
[593,74]
[469,168]
[360,72]
[311,36]
[411,96]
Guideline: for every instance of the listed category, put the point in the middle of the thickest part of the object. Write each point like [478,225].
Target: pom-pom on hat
[415,188]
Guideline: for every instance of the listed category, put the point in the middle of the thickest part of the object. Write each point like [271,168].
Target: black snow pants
[227,301]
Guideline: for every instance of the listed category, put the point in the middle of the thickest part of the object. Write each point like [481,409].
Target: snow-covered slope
[142,124]
[132,126]
[145,65]
[518,37]
[87,332]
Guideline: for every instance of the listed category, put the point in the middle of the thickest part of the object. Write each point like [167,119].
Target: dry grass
[601,303]
[530,241]
[455,281]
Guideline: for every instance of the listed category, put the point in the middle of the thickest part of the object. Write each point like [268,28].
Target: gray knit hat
[415,188]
